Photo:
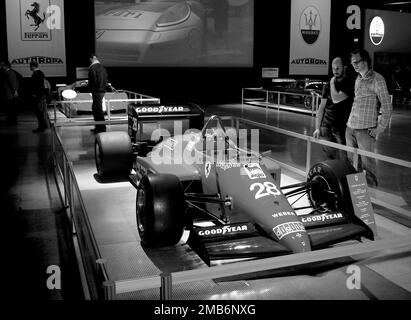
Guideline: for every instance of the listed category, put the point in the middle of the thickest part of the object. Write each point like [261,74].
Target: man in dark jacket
[9,92]
[38,95]
[97,81]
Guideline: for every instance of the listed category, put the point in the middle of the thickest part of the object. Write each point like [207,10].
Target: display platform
[111,211]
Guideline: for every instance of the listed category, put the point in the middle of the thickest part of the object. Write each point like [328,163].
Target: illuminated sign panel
[377,30]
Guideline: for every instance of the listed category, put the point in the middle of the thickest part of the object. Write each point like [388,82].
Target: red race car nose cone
[293,236]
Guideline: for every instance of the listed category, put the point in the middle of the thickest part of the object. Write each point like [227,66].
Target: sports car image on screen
[82,93]
[149,32]
[227,197]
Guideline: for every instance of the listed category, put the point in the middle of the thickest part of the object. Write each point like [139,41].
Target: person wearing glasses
[335,107]
[370,113]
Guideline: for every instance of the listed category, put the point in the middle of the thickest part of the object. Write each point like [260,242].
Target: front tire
[113,154]
[160,210]
[332,187]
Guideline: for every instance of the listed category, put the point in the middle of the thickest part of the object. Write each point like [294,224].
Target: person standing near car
[9,92]
[38,96]
[97,81]
[335,108]
[365,124]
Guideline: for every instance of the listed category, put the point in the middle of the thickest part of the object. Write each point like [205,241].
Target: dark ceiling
[400,6]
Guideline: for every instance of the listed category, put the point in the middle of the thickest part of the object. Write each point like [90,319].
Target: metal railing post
[108,111]
[308,161]
[166,289]
[71,198]
[109,290]
[65,182]
[278,100]
[355,159]
[55,111]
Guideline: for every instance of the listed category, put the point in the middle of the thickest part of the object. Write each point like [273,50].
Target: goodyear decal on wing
[160,109]
[254,171]
[287,228]
[223,230]
[322,218]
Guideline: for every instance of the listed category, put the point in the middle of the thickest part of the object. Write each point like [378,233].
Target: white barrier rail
[137,98]
[315,98]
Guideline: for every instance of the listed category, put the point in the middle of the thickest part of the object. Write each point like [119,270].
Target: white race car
[149,32]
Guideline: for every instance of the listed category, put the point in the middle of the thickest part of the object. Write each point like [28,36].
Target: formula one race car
[229,198]
[154,32]
[82,92]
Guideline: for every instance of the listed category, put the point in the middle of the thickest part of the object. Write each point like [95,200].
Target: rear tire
[333,190]
[160,210]
[113,154]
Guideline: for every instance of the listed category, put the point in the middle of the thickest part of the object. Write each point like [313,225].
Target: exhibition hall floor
[111,210]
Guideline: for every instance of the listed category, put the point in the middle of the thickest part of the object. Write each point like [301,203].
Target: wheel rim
[317,195]
[140,206]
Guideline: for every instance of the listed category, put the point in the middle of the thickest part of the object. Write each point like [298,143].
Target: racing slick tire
[113,154]
[160,209]
[333,187]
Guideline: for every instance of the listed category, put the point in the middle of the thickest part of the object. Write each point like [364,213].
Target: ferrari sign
[35,32]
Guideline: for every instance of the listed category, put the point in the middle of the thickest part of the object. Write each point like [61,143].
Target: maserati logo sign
[377,30]
[310,24]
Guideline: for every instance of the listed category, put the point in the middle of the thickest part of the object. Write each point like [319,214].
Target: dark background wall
[201,85]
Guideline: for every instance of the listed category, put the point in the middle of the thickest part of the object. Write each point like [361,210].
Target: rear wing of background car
[138,113]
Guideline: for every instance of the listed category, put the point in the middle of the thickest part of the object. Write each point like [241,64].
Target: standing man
[335,108]
[38,95]
[9,92]
[364,124]
[97,81]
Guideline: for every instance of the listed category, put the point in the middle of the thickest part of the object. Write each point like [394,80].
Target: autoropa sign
[377,30]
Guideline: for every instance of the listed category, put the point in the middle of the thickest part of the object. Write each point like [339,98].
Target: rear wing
[138,113]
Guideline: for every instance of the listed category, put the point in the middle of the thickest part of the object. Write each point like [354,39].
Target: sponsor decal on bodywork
[283,214]
[207,169]
[225,230]
[321,219]
[228,164]
[287,228]
[162,109]
[254,171]
[170,144]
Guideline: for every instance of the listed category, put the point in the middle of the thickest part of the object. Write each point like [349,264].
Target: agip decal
[287,228]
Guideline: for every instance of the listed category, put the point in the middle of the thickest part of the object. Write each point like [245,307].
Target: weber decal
[287,228]
[283,214]
[254,171]
[223,230]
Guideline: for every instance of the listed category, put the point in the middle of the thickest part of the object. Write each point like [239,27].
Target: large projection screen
[170,33]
